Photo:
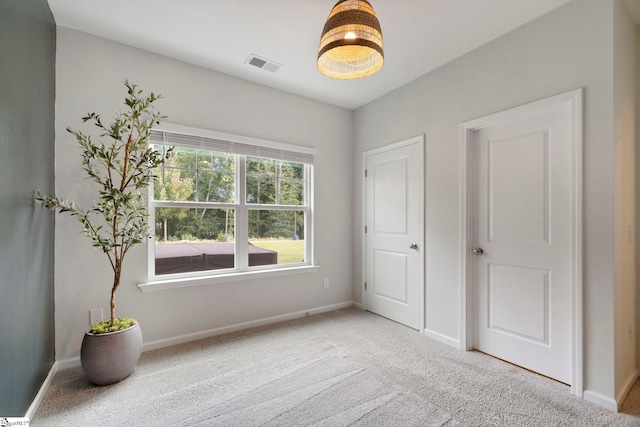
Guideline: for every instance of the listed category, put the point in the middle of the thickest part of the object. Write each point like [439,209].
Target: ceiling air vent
[265,64]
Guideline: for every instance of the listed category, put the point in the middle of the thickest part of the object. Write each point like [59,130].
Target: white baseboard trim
[606,401]
[600,400]
[154,345]
[33,408]
[626,388]
[359,306]
[72,362]
[442,338]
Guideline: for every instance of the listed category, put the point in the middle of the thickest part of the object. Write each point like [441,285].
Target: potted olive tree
[120,168]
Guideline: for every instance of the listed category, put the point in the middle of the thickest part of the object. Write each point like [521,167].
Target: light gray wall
[27,49]
[569,48]
[624,111]
[90,71]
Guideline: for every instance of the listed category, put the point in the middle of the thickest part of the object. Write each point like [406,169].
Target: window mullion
[278,166]
[308,217]
[258,207]
[193,205]
[151,241]
[242,216]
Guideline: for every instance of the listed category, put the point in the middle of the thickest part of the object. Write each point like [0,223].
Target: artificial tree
[120,169]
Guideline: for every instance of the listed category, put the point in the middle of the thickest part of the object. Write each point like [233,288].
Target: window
[227,204]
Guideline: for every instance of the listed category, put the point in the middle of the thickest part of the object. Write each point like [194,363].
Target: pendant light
[351,42]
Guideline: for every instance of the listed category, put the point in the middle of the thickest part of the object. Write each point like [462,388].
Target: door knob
[478,251]
[413,246]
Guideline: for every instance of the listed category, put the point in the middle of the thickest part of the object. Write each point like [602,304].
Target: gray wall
[569,48]
[89,76]
[27,71]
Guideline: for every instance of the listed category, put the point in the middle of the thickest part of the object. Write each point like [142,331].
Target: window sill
[176,283]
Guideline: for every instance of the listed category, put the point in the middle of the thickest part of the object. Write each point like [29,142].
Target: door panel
[393,215]
[390,276]
[525,288]
[523,223]
[390,196]
[518,168]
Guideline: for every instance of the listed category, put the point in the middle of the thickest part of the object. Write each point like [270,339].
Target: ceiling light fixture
[351,41]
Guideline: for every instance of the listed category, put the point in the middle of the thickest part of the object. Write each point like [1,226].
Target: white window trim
[236,276]
[156,283]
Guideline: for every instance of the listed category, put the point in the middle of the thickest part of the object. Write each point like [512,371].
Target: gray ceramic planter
[111,357]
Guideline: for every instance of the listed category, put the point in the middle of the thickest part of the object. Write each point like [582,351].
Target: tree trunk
[116,282]
[164,228]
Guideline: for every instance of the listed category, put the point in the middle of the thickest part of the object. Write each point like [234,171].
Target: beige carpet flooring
[343,368]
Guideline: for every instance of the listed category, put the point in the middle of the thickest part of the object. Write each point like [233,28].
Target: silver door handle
[413,246]
[478,251]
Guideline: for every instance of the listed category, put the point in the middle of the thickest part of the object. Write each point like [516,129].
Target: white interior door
[393,231]
[522,238]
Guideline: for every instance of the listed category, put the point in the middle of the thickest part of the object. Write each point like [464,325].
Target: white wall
[89,77]
[570,47]
[624,110]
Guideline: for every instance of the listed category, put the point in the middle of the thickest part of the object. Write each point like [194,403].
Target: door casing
[419,139]
[574,99]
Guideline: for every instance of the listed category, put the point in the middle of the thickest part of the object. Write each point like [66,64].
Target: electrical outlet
[325,283]
[630,333]
[95,315]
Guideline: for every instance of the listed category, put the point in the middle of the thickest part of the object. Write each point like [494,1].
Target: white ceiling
[419,36]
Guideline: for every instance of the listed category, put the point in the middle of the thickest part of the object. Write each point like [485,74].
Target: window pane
[261,190]
[212,181]
[276,237]
[291,192]
[184,158]
[220,162]
[291,170]
[160,148]
[190,240]
[257,166]
[216,187]
[175,184]
[274,182]
[216,177]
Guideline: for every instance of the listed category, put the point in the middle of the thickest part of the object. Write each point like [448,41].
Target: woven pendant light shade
[351,42]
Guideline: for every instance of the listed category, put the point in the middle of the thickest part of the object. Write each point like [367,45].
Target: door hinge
[365,173]
[365,286]
[365,229]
